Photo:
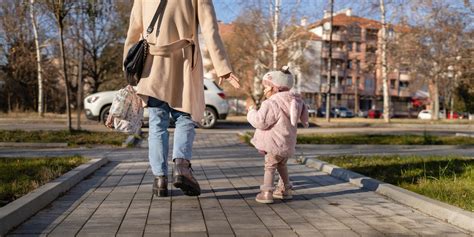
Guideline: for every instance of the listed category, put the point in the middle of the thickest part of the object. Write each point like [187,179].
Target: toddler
[275,134]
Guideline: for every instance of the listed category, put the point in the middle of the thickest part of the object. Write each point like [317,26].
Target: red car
[455,115]
[374,113]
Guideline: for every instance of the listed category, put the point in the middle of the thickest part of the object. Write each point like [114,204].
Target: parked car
[426,114]
[455,115]
[374,113]
[97,105]
[312,112]
[342,112]
[362,113]
[321,112]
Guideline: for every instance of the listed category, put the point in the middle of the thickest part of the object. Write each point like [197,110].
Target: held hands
[231,78]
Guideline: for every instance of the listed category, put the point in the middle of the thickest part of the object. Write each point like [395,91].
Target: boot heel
[160,192]
[160,186]
[178,181]
[163,193]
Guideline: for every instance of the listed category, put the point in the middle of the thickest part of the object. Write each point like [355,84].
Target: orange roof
[344,20]
[225,29]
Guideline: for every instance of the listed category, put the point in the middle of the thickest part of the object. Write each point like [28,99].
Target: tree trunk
[435,100]
[38,60]
[79,87]
[328,94]
[386,95]
[79,74]
[276,19]
[66,81]
[356,96]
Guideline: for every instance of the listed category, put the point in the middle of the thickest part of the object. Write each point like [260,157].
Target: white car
[426,114]
[97,105]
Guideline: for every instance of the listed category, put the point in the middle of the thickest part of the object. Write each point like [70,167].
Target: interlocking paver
[117,201]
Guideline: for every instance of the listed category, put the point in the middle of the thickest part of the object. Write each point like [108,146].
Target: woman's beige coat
[168,74]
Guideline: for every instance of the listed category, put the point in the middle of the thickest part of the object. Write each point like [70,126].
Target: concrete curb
[32,144]
[23,208]
[451,214]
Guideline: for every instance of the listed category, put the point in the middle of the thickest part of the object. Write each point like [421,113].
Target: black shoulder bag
[137,54]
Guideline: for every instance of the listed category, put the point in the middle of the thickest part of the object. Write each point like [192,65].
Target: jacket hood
[291,103]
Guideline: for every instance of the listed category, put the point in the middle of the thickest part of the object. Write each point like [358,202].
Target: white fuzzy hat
[282,79]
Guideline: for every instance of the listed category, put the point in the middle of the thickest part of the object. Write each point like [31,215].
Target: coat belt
[168,49]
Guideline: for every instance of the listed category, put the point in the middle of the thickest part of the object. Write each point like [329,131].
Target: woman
[172,81]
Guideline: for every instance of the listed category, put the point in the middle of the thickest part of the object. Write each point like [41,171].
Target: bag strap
[159,11]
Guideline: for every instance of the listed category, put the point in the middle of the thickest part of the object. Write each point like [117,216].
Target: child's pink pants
[272,163]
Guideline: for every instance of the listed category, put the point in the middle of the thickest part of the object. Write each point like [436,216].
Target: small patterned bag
[126,112]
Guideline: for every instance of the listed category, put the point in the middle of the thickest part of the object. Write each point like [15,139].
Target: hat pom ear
[285,69]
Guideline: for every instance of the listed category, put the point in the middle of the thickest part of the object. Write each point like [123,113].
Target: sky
[228,10]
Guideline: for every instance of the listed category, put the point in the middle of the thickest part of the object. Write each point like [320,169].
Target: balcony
[404,93]
[334,89]
[339,72]
[336,36]
[404,77]
[336,53]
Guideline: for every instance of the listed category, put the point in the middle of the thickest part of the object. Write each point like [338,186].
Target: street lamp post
[328,94]
[336,85]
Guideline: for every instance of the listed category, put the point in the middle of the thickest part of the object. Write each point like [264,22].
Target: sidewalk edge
[34,144]
[451,214]
[23,208]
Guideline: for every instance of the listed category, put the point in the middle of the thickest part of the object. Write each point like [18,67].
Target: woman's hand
[231,78]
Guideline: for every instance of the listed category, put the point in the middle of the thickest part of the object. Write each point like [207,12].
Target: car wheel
[104,114]
[209,119]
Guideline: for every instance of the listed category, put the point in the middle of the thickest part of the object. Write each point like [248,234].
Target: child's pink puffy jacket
[276,123]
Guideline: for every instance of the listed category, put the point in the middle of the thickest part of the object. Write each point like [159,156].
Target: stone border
[451,214]
[23,208]
[33,144]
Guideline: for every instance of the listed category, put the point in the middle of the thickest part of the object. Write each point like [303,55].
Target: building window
[358,64]
[349,64]
[357,47]
[324,80]
[369,84]
[349,46]
[404,85]
[349,81]
[392,83]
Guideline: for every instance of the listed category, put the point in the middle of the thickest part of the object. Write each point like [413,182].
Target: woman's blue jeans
[158,136]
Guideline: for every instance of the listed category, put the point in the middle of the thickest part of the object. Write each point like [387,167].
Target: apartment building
[356,78]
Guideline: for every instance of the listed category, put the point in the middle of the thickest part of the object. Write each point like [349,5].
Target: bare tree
[38,58]
[438,39]
[60,10]
[273,32]
[386,95]
[328,93]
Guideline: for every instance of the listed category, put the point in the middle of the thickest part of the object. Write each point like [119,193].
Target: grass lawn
[447,179]
[375,139]
[18,176]
[73,138]
[380,139]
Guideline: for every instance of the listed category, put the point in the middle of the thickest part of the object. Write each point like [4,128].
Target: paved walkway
[117,200]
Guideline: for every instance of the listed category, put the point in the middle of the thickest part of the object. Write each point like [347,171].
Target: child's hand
[250,106]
